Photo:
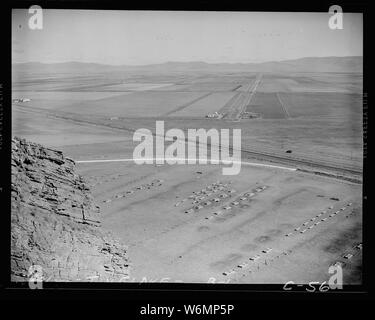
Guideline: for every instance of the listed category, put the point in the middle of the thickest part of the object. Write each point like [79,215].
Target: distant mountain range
[353,64]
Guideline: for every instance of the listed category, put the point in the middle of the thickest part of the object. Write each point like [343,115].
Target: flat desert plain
[294,209]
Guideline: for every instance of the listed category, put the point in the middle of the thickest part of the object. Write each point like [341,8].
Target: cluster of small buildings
[314,221]
[246,196]
[198,197]
[215,193]
[148,186]
[349,255]
[215,115]
[21,100]
[249,115]
[247,263]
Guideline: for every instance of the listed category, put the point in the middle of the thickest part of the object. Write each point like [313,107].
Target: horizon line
[185,62]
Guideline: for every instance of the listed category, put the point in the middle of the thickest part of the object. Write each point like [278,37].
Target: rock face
[55,224]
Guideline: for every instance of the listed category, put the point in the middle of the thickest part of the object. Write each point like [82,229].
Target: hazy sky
[135,37]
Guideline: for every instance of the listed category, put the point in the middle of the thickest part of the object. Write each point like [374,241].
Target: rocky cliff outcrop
[55,224]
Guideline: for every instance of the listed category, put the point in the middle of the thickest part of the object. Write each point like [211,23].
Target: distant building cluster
[21,100]
[249,115]
[215,115]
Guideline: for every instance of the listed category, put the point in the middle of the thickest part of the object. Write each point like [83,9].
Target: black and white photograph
[187,147]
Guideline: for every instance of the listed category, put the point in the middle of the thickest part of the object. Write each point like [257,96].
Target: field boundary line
[188,104]
[283,106]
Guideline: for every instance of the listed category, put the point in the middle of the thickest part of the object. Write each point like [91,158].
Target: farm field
[65,96]
[267,105]
[324,105]
[137,104]
[209,104]
[136,86]
[57,133]
[61,83]
[334,140]
[305,95]
[312,82]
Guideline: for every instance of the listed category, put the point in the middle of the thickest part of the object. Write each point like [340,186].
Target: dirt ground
[167,242]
